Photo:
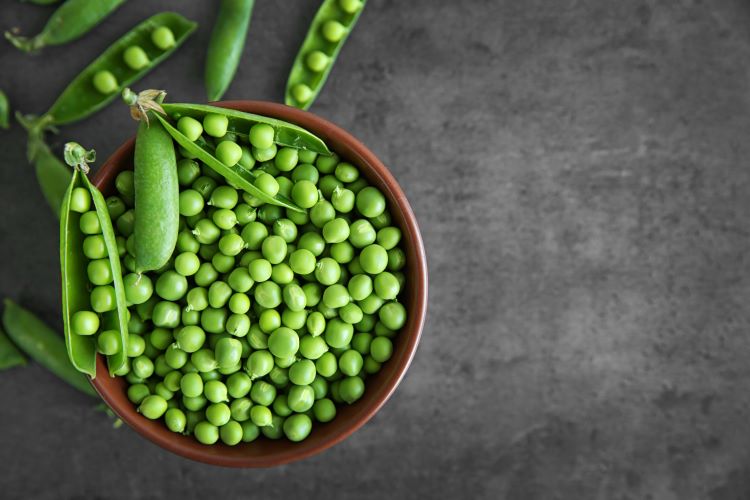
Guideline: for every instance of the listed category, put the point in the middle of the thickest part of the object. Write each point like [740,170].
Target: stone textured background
[579,171]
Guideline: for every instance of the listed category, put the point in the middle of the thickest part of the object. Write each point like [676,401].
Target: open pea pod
[328,31]
[286,134]
[235,175]
[80,99]
[75,293]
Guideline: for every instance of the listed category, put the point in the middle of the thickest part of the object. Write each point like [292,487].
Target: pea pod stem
[226,45]
[305,79]
[70,21]
[80,99]
[43,345]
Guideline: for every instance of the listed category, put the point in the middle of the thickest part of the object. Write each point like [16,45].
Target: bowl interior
[264,452]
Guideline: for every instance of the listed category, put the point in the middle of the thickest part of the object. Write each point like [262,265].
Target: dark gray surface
[579,171]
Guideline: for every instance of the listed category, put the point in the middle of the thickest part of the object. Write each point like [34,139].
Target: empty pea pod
[10,356]
[4,110]
[239,123]
[43,345]
[328,31]
[76,274]
[226,44]
[111,73]
[70,21]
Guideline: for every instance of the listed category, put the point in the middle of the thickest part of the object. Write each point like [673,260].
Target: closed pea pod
[70,21]
[326,36]
[226,45]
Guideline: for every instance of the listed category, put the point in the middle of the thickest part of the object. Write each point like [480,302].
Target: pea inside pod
[104,78]
[326,36]
[70,21]
[84,213]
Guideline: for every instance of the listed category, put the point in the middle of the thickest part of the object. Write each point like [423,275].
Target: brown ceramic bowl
[265,452]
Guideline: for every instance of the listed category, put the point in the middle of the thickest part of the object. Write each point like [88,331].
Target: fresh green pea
[153,407]
[294,297]
[254,233]
[261,416]
[336,296]
[396,259]
[94,247]
[302,372]
[222,263]
[206,232]
[321,213]
[171,286]
[163,37]
[265,155]
[328,184]
[215,391]
[373,259]
[300,398]
[224,218]
[190,202]
[238,325]
[342,252]
[371,304]
[294,319]
[312,242]
[386,286]
[269,320]
[336,230]
[324,410]
[351,389]
[327,271]
[260,270]
[190,338]
[342,200]
[346,172]
[350,363]
[351,313]
[206,275]
[191,385]
[315,323]
[228,153]
[244,214]
[137,393]
[206,433]
[393,315]
[205,186]
[270,213]
[280,406]
[239,303]
[262,393]
[283,342]
[160,338]
[240,408]
[338,333]
[267,294]
[187,171]
[215,124]
[108,342]
[326,365]
[105,82]
[313,293]
[388,237]
[370,202]
[103,299]
[176,420]
[259,364]
[214,320]
[89,223]
[362,234]
[84,323]
[317,61]
[297,427]
[142,366]
[261,135]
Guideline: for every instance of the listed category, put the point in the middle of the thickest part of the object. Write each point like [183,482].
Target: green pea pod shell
[157,191]
[10,356]
[4,110]
[43,345]
[330,10]
[226,45]
[80,99]
[236,175]
[70,21]
[286,134]
[51,174]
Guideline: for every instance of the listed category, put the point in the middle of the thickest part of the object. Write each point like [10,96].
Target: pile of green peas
[135,58]
[266,318]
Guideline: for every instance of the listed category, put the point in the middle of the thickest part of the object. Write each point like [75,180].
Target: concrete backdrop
[579,171]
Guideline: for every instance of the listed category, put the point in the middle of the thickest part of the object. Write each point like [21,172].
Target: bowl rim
[329,132]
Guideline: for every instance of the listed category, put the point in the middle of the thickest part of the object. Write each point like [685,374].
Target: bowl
[379,387]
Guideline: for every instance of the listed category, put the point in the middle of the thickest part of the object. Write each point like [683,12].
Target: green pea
[294,319]
[171,286]
[191,202]
[153,407]
[327,271]
[370,304]
[383,331]
[381,349]
[283,342]
[286,159]
[280,406]
[351,313]
[175,420]
[108,342]
[338,333]
[215,391]
[351,389]
[320,387]
[103,299]
[160,338]
[336,296]
[224,218]
[205,186]
[89,223]
[362,234]
[270,213]
[228,153]
[206,433]
[215,124]
[259,364]
[218,294]
[142,367]
[218,414]
[256,338]
[302,372]
[238,325]
[240,407]
[187,264]
[317,61]
[214,320]
[191,385]
[396,259]
[297,427]
[206,274]
[261,135]
[315,324]
[302,93]
[197,299]
[269,320]
[389,237]
[105,82]
[350,362]
[190,127]
[80,200]
[333,31]
[222,263]
[312,242]
[254,233]
[371,366]
[190,338]
[260,270]
[346,172]
[370,202]
[324,410]
[137,393]
[136,345]
[373,259]
[262,393]
[115,206]
[206,232]
[187,171]
[326,365]
[300,398]
[190,317]
[261,416]
[336,230]
[267,294]
[163,38]
[322,213]
[125,223]
[85,323]
[313,293]
[239,303]
[305,172]
[284,362]
[302,261]
[294,297]
[342,200]
[231,433]
[250,431]
[386,286]
[393,315]
[244,213]
[342,252]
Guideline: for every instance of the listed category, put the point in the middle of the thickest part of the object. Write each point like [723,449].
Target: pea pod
[286,134]
[225,47]
[75,294]
[329,29]
[80,99]
[235,175]
[4,110]
[157,208]
[70,21]
[10,356]
[43,345]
